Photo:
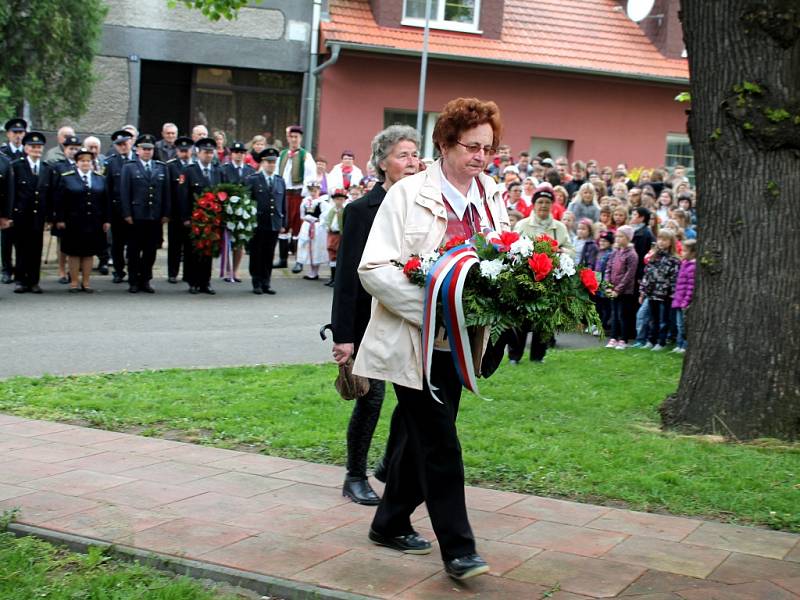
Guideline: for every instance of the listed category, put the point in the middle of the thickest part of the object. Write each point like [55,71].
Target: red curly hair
[462,114]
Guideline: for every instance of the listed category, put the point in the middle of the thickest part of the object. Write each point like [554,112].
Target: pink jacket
[684,287]
[621,270]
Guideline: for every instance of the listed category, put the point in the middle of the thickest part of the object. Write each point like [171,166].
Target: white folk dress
[312,242]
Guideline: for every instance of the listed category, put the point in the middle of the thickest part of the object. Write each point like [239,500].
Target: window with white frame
[457,15]
[679,152]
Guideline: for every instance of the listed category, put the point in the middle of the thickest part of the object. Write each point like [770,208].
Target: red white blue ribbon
[446,278]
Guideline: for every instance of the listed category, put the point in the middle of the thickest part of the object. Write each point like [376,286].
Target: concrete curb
[261,584]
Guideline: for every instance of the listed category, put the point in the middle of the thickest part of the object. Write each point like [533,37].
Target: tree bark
[741,375]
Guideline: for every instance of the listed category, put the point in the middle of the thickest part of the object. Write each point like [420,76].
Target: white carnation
[229,209]
[231,225]
[238,212]
[427,261]
[492,268]
[235,199]
[522,247]
[566,267]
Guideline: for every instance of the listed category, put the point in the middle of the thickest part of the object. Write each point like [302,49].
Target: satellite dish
[639,9]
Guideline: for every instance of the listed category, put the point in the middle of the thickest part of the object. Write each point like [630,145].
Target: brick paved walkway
[287,519]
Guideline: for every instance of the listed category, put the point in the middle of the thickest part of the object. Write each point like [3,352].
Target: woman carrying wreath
[451,199]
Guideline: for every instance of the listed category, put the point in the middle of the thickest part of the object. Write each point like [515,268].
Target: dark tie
[147,168]
[86,181]
[240,172]
[206,174]
[35,169]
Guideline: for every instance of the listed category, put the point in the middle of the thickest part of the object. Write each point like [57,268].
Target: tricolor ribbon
[447,277]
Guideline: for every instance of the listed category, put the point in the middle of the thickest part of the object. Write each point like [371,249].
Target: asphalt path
[60,333]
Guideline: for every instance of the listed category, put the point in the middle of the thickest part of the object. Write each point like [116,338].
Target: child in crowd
[619,217]
[682,219]
[333,225]
[621,274]
[606,224]
[585,246]
[514,216]
[684,290]
[604,252]
[685,203]
[658,286]
[665,204]
[568,219]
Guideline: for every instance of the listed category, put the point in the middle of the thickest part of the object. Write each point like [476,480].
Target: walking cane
[49,243]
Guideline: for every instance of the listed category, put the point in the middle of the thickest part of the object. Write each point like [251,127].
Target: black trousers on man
[120,233]
[426,465]
[197,270]
[516,344]
[262,253]
[144,240]
[28,244]
[6,250]
[177,236]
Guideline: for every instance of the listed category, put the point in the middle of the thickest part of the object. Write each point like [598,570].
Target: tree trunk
[741,376]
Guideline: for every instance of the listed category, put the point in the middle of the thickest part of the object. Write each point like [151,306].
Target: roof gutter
[337,45]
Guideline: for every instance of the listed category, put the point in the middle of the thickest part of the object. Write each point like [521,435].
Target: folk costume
[312,243]
[334,225]
[341,177]
[298,168]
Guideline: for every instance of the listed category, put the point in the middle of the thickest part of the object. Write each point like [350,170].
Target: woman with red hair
[451,199]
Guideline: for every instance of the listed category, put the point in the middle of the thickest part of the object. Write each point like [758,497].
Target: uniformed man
[297,167]
[6,191]
[165,147]
[268,190]
[179,219]
[237,171]
[12,149]
[200,175]
[31,208]
[145,207]
[121,140]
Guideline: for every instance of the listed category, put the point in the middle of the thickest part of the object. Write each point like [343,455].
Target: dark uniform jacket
[180,205]
[113,173]
[196,182]
[351,302]
[82,209]
[11,154]
[6,186]
[62,166]
[32,203]
[232,173]
[144,197]
[270,200]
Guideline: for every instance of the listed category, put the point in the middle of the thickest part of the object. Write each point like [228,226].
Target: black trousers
[6,249]
[28,244]
[197,269]
[516,344]
[262,253]
[426,465]
[363,420]
[177,236]
[144,240]
[120,233]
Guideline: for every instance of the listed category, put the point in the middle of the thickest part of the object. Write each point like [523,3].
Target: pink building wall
[608,119]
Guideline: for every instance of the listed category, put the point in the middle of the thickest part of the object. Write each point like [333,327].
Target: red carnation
[506,239]
[456,241]
[222,196]
[546,238]
[412,265]
[541,265]
[196,230]
[589,280]
[208,196]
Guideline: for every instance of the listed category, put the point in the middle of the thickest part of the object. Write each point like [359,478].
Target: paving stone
[794,555]
[186,537]
[111,462]
[38,507]
[82,436]
[20,470]
[11,419]
[655,582]
[745,540]
[138,444]
[662,596]
[144,494]
[9,443]
[257,464]
[742,568]
[369,573]
[327,475]
[78,482]
[308,496]
[578,574]
[502,556]
[109,522]
[490,500]
[645,524]
[672,557]
[171,472]
[297,521]
[558,511]
[273,554]
[486,587]
[566,538]
[221,508]
[489,525]
[792,584]
[243,485]
[12,491]
[53,452]
[198,455]
[761,590]
[29,428]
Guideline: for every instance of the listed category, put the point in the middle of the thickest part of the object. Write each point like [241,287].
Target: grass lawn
[31,568]
[583,425]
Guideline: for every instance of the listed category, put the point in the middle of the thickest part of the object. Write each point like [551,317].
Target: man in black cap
[144,196]
[12,149]
[6,192]
[31,208]
[269,193]
[237,171]
[199,176]
[297,167]
[179,219]
[71,146]
[121,140]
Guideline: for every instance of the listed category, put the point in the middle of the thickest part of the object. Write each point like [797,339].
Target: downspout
[311,89]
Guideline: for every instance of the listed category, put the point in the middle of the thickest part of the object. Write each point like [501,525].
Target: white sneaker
[621,345]
[595,331]
[657,348]
[612,343]
[647,346]
[680,350]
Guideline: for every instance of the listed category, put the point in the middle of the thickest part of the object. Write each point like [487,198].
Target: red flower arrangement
[589,281]
[205,229]
[541,265]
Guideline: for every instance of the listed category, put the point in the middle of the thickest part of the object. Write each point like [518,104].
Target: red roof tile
[584,35]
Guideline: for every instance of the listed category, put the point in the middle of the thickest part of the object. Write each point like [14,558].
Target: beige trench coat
[411,220]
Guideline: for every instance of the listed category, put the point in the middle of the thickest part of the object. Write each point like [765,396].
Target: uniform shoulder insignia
[159,162]
[65,173]
[171,160]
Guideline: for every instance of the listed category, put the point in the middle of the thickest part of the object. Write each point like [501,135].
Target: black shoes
[35,289]
[21,289]
[172,279]
[258,291]
[103,269]
[360,491]
[466,567]
[7,278]
[147,289]
[411,543]
[194,289]
[297,268]
[118,277]
[268,290]
[133,289]
[208,290]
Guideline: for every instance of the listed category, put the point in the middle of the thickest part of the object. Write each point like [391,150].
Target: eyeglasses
[475,148]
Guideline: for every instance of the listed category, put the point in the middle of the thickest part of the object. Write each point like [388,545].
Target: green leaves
[214,9]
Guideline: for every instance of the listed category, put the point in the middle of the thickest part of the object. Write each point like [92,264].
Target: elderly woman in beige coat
[452,198]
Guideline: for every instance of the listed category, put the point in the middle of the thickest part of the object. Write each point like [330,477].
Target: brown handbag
[348,385]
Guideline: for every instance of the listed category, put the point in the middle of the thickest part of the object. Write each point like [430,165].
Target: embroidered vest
[298,165]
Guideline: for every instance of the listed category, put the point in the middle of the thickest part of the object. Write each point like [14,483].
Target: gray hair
[387,139]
